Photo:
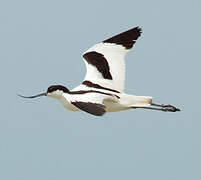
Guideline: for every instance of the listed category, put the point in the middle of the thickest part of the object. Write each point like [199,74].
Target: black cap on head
[57,87]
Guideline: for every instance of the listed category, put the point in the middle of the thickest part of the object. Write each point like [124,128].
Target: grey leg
[167,107]
[163,107]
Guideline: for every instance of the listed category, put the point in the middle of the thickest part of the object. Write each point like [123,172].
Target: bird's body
[102,89]
[112,101]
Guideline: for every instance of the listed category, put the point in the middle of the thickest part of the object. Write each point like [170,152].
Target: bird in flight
[102,89]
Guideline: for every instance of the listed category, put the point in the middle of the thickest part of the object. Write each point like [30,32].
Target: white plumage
[115,55]
[103,87]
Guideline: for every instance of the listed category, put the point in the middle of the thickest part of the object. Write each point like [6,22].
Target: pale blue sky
[41,43]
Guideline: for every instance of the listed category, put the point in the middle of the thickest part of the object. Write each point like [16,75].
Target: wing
[105,61]
[90,101]
[91,108]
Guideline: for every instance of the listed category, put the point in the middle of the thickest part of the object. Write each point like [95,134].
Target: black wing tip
[126,38]
[139,29]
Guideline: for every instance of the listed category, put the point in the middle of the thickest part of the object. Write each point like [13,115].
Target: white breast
[68,105]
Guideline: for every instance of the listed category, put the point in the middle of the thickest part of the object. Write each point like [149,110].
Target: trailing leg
[162,107]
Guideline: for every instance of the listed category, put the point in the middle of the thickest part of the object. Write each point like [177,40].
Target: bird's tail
[136,101]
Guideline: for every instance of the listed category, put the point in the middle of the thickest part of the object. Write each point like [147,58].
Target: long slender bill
[38,95]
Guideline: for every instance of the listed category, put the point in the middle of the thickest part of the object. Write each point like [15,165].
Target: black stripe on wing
[97,86]
[92,108]
[92,91]
[126,39]
[100,62]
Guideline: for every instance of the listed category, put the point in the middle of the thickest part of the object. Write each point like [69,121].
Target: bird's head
[54,91]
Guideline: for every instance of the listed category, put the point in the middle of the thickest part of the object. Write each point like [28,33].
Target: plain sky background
[41,43]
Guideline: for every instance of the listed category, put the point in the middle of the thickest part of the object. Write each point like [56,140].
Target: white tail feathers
[142,101]
[136,101]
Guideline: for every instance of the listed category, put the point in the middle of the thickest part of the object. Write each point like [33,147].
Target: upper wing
[105,61]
